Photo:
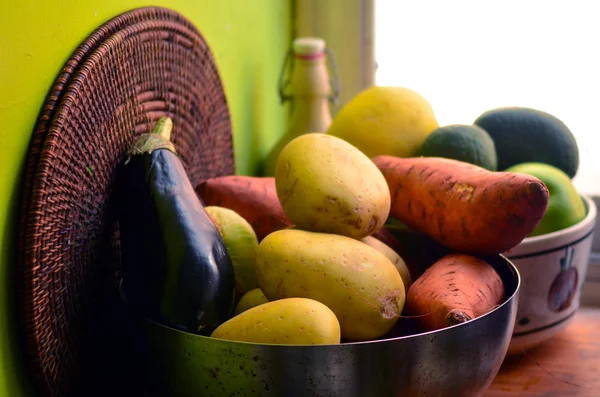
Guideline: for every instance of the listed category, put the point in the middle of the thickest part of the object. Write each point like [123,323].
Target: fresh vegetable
[465,207]
[176,269]
[250,299]
[392,256]
[455,289]
[292,321]
[241,243]
[326,185]
[254,198]
[360,285]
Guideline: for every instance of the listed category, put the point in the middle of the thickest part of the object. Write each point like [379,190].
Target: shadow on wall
[13,351]
[257,120]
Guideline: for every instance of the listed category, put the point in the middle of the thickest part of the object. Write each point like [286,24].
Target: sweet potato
[254,198]
[464,207]
[455,289]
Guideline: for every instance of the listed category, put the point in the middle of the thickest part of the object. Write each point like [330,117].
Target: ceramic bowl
[553,268]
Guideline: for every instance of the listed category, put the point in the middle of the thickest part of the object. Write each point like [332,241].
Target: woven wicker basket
[135,68]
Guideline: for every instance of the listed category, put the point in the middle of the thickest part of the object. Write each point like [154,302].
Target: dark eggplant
[175,267]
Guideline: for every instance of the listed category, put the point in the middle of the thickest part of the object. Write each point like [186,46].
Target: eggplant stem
[158,138]
[163,128]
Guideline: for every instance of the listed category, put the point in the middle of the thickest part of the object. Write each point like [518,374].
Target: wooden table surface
[564,366]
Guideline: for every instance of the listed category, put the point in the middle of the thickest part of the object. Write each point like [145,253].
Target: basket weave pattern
[134,69]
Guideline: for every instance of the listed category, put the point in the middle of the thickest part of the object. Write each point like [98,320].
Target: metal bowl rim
[507,301]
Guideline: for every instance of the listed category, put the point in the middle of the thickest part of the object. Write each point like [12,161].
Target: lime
[467,143]
[565,208]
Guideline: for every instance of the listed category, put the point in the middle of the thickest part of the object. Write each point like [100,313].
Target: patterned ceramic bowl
[552,267]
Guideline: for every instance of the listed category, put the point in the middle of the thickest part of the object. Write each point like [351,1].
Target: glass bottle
[310,92]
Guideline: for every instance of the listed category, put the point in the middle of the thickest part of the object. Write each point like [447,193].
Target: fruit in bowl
[323,263]
[385,121]
[553,267]
[468,143]
[328,197]
[338,200]
[552,260]
[455,194]
[565,208]
[523,135]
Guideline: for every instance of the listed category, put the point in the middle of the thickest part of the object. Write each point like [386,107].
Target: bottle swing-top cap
[304,46]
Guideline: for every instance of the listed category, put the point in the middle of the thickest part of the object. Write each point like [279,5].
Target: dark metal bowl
[461,360]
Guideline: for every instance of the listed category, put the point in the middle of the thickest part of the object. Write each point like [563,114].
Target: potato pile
[335,196]
[323,272]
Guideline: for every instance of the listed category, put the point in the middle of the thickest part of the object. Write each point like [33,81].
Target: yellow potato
[326,185]
[357,282]
[393,257]
[250,299]
[293,321]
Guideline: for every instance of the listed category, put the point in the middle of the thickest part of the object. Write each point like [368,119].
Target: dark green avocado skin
[523,135]
[175,267]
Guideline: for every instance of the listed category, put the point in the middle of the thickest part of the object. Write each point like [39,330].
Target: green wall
[247,38]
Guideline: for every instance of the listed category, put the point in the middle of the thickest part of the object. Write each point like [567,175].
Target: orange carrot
[455,289]
[464,207]
[253,198]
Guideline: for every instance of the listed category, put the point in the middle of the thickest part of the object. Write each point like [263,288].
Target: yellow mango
[250,299]
[327,185]
[292,321]
[393,257]
[357,282]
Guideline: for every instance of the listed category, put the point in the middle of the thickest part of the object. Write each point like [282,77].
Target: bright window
[467,57]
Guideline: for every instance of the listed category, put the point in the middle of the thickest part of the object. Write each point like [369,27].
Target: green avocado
[523,135]
[467,143]
[565,207]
